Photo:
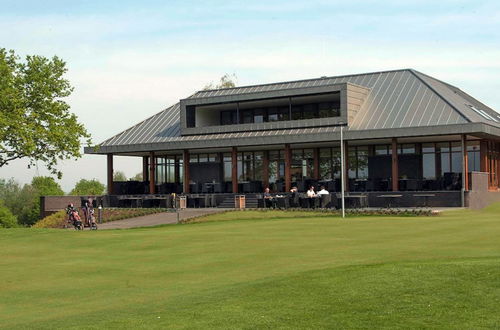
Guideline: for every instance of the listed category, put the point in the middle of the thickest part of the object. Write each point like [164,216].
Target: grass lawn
[289,270]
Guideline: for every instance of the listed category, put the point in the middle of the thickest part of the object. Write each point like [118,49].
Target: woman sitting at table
[269,201]
[311,195]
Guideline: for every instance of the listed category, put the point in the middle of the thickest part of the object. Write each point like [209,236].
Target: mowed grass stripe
[49,277]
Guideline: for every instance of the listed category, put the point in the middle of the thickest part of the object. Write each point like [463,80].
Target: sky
[130,59]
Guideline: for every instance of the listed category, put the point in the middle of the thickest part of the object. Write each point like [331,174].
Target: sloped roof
[399,99]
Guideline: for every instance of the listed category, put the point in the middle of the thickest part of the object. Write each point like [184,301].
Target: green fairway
[290,270]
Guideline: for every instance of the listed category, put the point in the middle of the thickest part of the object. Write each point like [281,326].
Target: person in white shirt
[323,191]
[311,193]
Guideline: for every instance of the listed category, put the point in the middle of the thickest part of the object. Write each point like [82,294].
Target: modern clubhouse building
[403,131]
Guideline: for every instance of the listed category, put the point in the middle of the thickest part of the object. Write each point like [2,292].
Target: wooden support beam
[145,171]
[265,169]
[185,164]
[234,169]
[152,169]
[110,174]
[483,155]
[465,164]
[395,165]
[288,166]
[316,163]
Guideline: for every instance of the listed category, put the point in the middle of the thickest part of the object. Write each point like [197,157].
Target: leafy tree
[137,177]
[226,81]
[7,219]
[23,202]
[46,186]
[119,176]
[35,122]
[88,188]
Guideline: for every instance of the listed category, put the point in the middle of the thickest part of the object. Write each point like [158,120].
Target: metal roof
[398,99]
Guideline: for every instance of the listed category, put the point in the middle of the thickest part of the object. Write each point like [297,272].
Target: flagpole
[342,171]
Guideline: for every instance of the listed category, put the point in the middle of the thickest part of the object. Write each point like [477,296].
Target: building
[404,131]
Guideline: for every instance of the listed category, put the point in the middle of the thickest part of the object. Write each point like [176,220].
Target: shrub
[59,219]
[7,219]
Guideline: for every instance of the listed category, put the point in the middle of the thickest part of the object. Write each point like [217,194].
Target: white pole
[342,170]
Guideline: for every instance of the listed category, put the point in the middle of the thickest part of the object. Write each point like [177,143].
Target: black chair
[325,201]
[294,199]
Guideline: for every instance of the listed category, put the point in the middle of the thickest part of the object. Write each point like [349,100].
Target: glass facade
[422,166]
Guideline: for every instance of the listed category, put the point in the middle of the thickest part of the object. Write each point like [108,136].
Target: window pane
[443,147]
[203,158]
[258,116]
[428,147]
[445,163]
[381,150]
[456,146]
[456,162]
[429,166]
[284,113]
[408,148]
[297,112]
[272,114]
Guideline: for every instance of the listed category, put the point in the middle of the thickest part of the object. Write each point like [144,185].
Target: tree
[88,188]
[7,219]
[35,121]
[137,177]
[46,186]
[23,202]
[119,176]
[226,81]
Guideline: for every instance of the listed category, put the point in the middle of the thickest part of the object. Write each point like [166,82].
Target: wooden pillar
[498,164]
[465,164]
[265,169]
[288,166]
[234,169]
[145,172]
[185,164]
[483,152]
[346,166]
[395,165]
[316,163]
[110,174]
[152,169]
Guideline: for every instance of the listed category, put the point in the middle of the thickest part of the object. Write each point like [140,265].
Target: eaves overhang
[301,136]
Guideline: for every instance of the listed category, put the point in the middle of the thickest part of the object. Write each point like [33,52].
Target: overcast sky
[130,59]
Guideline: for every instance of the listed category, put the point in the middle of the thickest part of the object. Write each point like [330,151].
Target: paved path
[157,219]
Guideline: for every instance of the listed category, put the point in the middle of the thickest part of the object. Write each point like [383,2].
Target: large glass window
[329,163]
[250,166]
[276,166]
[165,169]
[261,111]
[473,156]
[358,162]
[302,166]
[228,167]
[428,161]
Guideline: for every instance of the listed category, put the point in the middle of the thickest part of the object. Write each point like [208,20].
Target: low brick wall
[479,196]
[52,204]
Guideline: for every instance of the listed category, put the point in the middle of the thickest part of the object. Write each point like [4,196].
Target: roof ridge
[303,80]
[416,74]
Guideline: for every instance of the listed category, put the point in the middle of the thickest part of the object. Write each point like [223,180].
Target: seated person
[294,197]
[323,191]
[311,195]
[269,201]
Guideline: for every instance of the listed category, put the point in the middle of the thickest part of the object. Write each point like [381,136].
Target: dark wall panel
[205,172]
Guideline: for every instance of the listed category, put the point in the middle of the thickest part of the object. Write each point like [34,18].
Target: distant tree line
[20,204]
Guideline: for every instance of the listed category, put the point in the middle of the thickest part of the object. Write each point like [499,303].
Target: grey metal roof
[398,99]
